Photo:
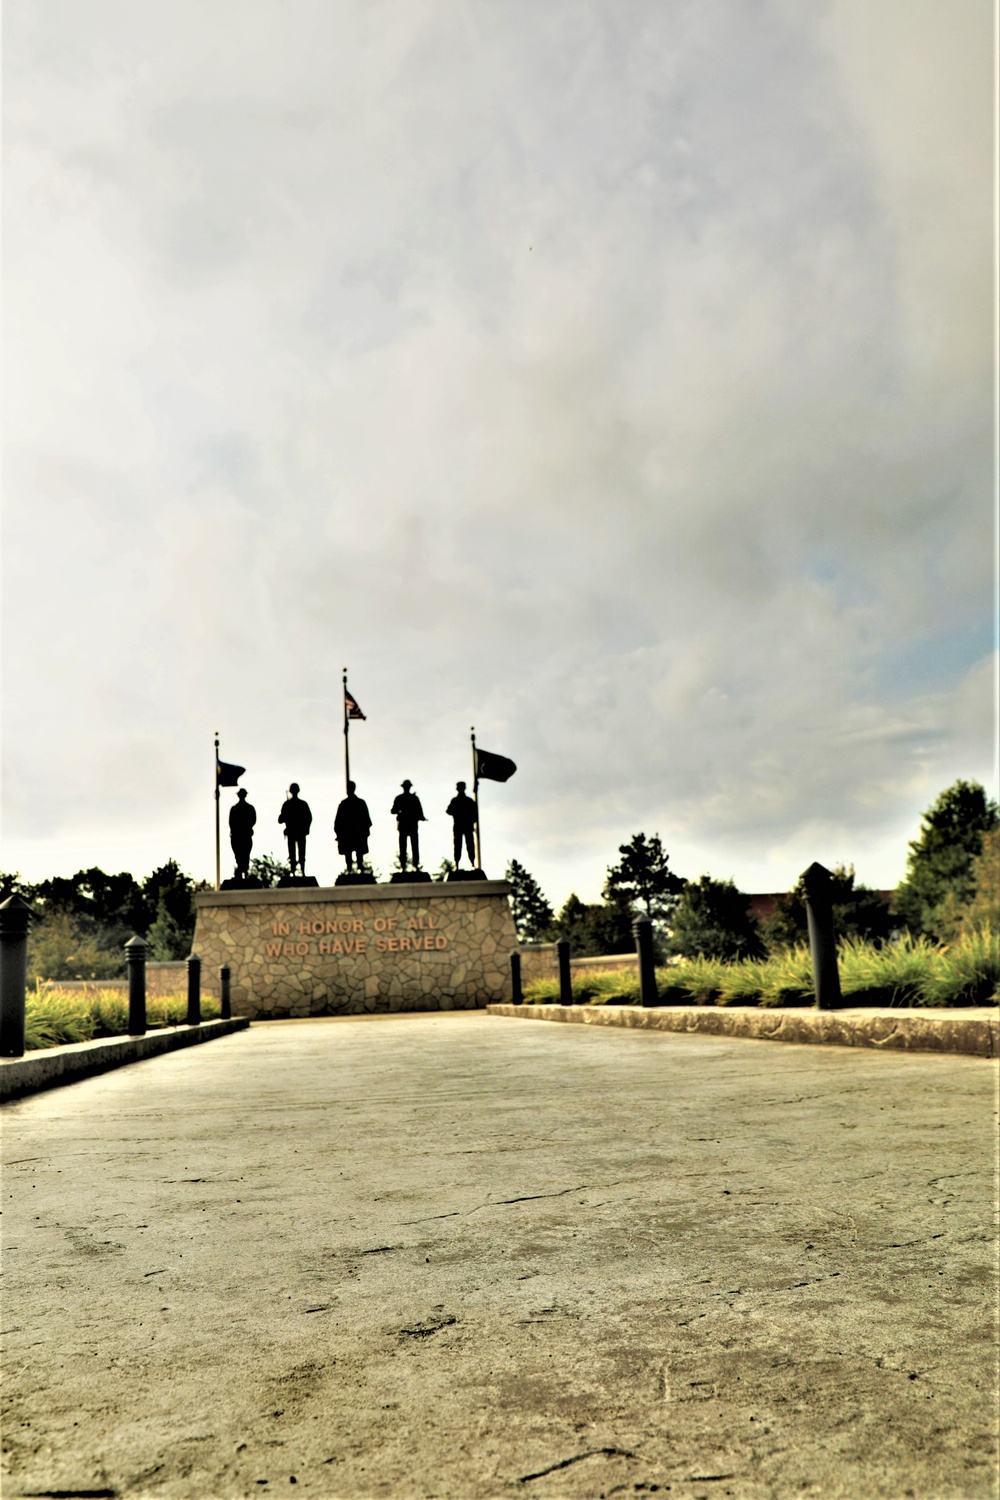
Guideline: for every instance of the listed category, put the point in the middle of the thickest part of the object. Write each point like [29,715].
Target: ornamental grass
[908,972]
[54,1016]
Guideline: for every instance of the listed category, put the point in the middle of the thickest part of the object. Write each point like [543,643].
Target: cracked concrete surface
[458,1256]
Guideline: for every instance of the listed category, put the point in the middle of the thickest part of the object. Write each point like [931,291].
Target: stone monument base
[351,877]
[292,882]
[409,877]
[467,875]
[343,950]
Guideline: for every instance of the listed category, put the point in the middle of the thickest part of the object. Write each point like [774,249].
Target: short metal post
[194,991]
[15,918]
[224,1007]
[135,951]
[517,994]
[565,976]
[822,942]
[642,927]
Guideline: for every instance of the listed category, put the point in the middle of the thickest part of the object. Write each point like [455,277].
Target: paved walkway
[458,1256]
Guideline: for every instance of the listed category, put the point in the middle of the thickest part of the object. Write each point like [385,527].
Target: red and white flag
[351,708]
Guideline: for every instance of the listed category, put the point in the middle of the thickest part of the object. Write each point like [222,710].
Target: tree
[268,870]
[643,878]
[169,894]
[982,910]
[858,912]
[60,948]
[712,919]
[532,913]
[108,907]
[594,928]
[939,869]
[13,885]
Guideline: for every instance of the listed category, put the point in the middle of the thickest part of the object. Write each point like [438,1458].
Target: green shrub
[966,972]
[908,972]
[55,1017]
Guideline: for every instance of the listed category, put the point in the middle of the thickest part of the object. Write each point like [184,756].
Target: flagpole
[475,796]
[347,725]
[218,854]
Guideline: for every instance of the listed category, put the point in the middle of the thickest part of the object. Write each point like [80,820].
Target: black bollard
[224,1008]
[135,952]
[15,918]
[194,991]
[822,943]
[565,977]
[642,927]
[517,994]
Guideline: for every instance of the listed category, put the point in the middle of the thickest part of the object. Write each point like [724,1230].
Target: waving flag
[490,767]
[226,774]
[351,708]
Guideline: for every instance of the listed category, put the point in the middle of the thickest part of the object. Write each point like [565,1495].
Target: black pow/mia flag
[227,775]
[490,767]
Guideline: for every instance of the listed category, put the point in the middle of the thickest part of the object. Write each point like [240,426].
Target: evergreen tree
[712,919]
[643,879]
[592,929]
[939,870]
[981,912]
[169,896]
[858,912]
[532,913]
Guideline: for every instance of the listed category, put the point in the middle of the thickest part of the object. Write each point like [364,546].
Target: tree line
[952,883]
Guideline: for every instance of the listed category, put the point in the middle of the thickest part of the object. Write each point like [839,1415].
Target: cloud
[600,374]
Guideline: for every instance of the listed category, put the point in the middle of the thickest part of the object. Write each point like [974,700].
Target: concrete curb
[51,1066]
[964,1031]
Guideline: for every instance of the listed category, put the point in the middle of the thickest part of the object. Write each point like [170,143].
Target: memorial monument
[342,950]
[415,944]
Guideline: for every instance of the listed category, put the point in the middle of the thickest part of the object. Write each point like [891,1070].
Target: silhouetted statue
[462,810]
[352,826]
[409,815]
[297,818]
[242,818]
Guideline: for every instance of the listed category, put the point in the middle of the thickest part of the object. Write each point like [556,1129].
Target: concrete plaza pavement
[454,1255]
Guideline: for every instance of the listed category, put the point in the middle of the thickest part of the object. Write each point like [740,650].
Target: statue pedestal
[292,882]
[468,875]
[351,877]
[347,950]
[409,877]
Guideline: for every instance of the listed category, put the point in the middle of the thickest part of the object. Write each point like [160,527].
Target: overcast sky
[614,375]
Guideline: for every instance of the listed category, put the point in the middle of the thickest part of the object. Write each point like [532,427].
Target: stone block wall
[346,950]
[539,961]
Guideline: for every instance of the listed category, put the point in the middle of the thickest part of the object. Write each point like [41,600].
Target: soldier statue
[242,818]
[297,818]
[409,815]
[351,827]
[462,810]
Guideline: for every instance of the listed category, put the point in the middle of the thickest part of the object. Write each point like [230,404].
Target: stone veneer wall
[344,950]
